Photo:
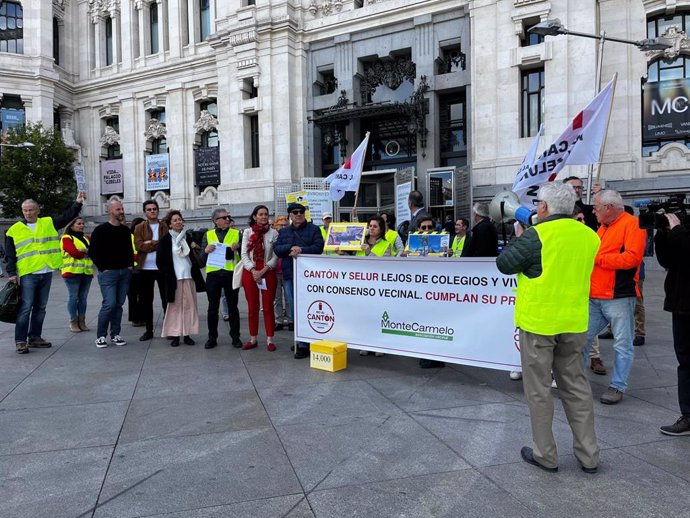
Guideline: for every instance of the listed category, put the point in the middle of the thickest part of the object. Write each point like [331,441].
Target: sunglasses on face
[295,212]
[152,209]
[226,218]
[426,227]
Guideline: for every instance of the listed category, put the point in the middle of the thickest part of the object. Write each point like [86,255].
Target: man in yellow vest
[33,252]
[460,238]
[554,261]
[220,279]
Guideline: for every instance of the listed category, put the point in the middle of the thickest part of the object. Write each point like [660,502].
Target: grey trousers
[562,354]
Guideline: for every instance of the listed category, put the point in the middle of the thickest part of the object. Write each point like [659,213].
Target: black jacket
[308,237]
[484,240]
[164,262]
[673,253]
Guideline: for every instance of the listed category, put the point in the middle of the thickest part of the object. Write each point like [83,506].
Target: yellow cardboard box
[328,356]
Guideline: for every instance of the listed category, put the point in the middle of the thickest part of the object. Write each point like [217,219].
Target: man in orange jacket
[613,287]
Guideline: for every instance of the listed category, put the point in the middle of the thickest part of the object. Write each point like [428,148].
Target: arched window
[11,27]
[665,98]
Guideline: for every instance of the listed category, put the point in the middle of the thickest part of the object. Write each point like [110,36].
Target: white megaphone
[505,206]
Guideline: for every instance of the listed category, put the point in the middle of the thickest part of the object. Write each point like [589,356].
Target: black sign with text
[666,112]
[207,166]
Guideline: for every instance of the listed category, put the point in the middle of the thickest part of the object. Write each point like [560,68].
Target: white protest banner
[453,310]
[579,144]
[522,183]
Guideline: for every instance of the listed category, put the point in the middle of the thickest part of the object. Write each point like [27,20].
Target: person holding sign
[554,261]
[218,254]
[259,275]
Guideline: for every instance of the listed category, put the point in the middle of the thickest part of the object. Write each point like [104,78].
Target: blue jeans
[78,291]
[34,290]
[289,288]
[114,285]
[620,313]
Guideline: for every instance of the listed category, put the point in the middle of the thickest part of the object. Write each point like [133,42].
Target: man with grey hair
[484,241]
[614,289]
[32,249]
[219,280]
[112,253]
[554,260]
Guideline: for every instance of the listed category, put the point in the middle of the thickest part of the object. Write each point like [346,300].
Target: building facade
[204,102]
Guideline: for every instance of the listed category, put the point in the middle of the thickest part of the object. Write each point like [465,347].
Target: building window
[452,59]
[11,112]
[11,27]
[532,89]
[56,41]
[210,138]
[113,151]
[664,111]
[253,134]
[153,28]
[453,139]
[250,2]
[531,38]
[159,145]
[108,41]
[205,19]
[326,82]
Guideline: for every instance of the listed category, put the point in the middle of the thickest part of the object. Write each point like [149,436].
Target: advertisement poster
[158,172]
[111,177]
[207,166]
[666,109]
[402,211]
[452,310]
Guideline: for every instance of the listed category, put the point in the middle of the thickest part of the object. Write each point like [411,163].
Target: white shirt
[150,260]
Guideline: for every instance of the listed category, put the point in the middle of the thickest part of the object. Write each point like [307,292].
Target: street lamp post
[554,27]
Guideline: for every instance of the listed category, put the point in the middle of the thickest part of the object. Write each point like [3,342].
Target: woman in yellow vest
[375,245]
[77,270]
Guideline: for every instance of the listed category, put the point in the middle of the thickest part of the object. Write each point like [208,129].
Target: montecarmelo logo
[415,329]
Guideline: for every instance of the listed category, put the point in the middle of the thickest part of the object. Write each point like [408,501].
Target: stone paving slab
[150,430]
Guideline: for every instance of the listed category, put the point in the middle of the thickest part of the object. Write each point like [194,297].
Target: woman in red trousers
[258,274]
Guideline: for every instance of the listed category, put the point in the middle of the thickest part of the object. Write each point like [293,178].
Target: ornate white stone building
[205,102]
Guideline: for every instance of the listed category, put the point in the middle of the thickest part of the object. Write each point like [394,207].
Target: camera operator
[673,251]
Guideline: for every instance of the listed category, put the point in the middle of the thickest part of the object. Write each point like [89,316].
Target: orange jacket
[617,264]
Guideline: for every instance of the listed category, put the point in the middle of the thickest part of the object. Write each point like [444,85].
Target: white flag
[579,144]
[521,188]
[346,178]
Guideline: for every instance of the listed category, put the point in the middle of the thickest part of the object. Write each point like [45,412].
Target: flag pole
[359,180]
[603,145]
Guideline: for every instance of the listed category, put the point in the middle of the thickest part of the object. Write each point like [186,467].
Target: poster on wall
[111,177]
[158,172]
[402,210]
[666,109]
[207,166]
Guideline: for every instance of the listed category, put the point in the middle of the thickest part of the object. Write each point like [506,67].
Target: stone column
[193,17]
[115,21]
[162,20]
[143,30]
[99,34]
[178,131]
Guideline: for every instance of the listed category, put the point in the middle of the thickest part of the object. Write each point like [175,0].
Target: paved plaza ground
[149,430]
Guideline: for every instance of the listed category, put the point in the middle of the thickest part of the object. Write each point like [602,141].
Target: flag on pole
[521,189]
[347,177]
[579,144]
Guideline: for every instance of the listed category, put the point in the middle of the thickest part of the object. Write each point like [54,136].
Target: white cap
[326,214]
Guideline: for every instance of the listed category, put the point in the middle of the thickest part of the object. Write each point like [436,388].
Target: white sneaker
[553,383]
[117,340]
[515,375]
[101,343]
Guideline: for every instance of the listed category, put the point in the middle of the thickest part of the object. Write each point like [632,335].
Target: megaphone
[505,206]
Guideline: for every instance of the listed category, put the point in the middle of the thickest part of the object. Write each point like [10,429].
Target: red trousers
[251,292]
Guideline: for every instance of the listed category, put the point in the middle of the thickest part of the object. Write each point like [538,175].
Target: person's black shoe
[279,327]
[236,343]
[590,471]
[148,335]
[175,342]
[638,340]
[430,364]
[188,340]
[528,456]
[680,427]
[301,352]
[210,343]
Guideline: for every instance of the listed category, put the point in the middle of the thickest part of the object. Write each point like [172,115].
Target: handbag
[237,276]
[9,303]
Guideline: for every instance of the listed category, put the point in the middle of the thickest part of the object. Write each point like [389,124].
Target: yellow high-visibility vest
[72,265]
[379,249]
[232,237]
[457,246]
[36,249]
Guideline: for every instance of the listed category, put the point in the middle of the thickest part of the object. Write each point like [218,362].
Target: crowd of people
[574,280]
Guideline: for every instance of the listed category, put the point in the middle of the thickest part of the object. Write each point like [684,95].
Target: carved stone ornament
[155,130]
[59,7]
[110,137]
[389,72]
[327,7]
[679,42]
[208,197]
[103,8]
[206,122]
